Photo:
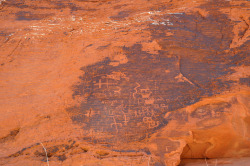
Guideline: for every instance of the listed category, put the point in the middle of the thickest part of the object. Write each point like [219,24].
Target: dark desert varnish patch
[10,136]
[120,16]
[29,16]
[132,107]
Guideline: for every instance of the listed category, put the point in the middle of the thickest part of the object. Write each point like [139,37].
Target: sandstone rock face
[144,82]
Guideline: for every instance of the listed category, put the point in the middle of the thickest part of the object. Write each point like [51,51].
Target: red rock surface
[142,82]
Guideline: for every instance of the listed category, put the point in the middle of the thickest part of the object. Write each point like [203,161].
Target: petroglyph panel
[129,95]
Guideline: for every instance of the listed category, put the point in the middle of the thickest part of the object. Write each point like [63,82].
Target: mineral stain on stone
[120,16]
[129,100]
[28,16]
[245,81]
[134,105]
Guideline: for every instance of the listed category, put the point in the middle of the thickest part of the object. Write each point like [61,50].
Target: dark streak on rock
[245,81]
[28,16]
[102,47]
[62,157]
[120,16]
[10,136]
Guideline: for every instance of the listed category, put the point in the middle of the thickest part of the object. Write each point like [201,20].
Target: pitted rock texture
[123,82]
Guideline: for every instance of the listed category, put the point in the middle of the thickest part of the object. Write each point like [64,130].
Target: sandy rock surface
[124,82]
